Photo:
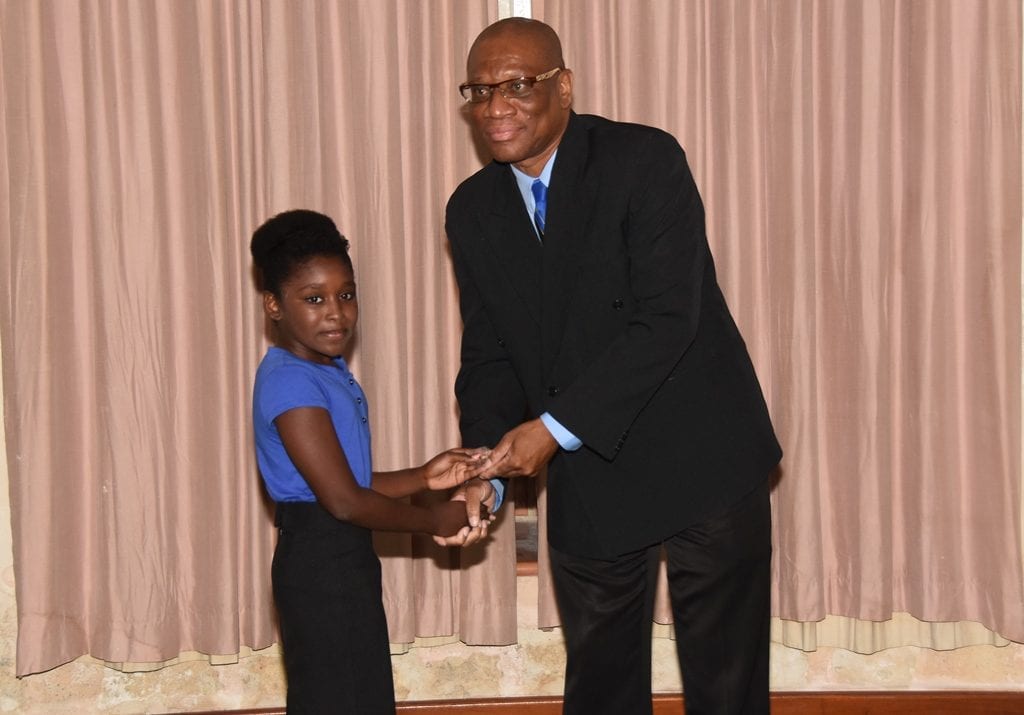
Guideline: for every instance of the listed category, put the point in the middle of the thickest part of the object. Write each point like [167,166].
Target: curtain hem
[867,637]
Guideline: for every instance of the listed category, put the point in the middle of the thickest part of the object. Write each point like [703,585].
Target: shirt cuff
[499,493]
[564,437]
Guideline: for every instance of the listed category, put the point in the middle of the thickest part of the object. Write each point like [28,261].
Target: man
[596,341]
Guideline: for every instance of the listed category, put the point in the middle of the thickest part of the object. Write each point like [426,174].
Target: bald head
[540,38]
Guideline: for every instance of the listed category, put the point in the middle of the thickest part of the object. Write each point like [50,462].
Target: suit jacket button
[617,304]
[553,390]
[501,342]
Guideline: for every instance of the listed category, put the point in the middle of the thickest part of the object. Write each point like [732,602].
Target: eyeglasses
[519,88]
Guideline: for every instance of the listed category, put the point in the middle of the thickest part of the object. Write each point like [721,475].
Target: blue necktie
[540,196]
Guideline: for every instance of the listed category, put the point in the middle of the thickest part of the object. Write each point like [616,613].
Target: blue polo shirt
[285,382]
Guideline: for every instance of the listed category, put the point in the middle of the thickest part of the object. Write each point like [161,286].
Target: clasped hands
[522,452]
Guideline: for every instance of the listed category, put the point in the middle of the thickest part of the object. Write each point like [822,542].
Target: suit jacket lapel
[510,236]
[570,197]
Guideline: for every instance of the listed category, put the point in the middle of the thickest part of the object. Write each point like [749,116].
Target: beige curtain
[861,166]
[140,144]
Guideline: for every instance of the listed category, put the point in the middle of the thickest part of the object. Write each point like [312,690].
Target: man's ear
[270,305]
[565,88]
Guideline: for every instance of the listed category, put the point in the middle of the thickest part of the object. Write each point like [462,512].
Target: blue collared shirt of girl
[285,382]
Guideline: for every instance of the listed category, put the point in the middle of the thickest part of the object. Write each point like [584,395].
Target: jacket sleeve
[490,396]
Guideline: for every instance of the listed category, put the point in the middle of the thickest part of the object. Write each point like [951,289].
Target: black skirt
[334,634]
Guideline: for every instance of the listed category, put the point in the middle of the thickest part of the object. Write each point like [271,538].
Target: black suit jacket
[617,327]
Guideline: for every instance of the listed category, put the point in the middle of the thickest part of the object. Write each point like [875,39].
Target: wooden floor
[844,703]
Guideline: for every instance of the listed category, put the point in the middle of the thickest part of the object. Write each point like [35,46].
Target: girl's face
[317,311]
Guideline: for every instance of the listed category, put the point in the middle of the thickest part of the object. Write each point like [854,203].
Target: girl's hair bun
[291,238]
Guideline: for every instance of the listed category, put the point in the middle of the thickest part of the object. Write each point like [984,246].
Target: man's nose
[498,105]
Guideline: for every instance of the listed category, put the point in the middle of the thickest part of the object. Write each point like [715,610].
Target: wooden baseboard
[844,703]
[899,703]
[783,703]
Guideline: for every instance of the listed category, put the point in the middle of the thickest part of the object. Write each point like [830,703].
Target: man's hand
[522,452]
[479,496]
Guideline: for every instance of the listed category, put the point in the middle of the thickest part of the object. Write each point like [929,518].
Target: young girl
[313,449]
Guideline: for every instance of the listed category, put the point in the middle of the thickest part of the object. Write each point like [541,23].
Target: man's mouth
[501,133]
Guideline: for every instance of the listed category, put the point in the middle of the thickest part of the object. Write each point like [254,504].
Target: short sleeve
[287,387]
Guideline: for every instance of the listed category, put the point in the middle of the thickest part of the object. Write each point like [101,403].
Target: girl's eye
[348,296]
[314,299]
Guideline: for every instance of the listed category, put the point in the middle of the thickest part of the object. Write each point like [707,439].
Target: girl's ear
[270,305]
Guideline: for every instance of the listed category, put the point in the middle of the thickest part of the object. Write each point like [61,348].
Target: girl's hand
[478,497]
[452,468]
[449,519]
